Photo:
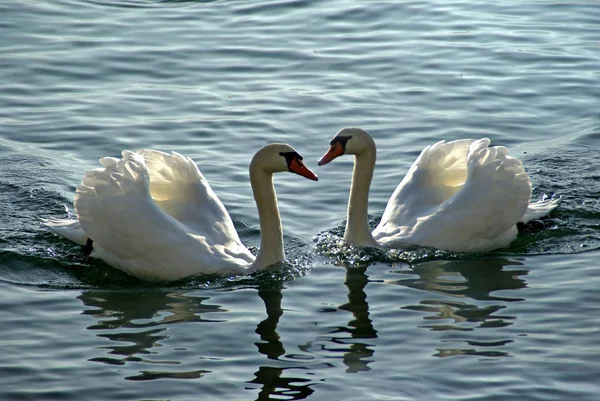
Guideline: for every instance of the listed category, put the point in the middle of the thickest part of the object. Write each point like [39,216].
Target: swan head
[281,157]
[348,141]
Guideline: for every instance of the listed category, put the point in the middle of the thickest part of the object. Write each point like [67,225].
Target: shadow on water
[361,326]
[456,285]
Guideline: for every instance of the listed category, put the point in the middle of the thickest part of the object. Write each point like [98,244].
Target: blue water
[216,80]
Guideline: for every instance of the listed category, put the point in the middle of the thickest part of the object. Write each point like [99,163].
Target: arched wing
[438,173]
[130,231]
[481,214]
[180,190]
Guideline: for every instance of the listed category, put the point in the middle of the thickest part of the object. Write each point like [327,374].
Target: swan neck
[271,234]
[357,226]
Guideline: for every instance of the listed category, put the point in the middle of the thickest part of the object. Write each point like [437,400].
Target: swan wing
[438,173]
[480,216]
[180,190]
[131,232]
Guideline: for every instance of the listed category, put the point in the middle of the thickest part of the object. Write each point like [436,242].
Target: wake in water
[329,243]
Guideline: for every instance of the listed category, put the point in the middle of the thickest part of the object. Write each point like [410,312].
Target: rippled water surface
[216,80]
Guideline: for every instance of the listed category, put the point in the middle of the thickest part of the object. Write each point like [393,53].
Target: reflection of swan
[461,196]
[475,279]
[136,323]
[270,344]
[360,353]
[272,381]
[351,340]
[472,278]
[154,215]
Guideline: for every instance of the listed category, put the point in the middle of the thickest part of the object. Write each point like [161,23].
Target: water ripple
[216,80]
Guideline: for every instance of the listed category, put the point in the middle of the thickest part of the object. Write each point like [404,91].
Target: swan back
[439,172]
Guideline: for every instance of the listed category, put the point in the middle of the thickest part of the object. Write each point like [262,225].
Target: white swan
[461,196]
[154,215]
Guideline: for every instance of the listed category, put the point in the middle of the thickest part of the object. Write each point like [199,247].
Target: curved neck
[271,235]
[357,225]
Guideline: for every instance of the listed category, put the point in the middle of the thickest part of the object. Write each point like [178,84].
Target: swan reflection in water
[347,342]
[350,342]
[457,281]
[136,324]
[273,383]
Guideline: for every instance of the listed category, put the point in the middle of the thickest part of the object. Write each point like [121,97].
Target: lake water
[216,80]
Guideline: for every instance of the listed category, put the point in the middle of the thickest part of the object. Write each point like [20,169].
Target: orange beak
[335,150]
[296,166]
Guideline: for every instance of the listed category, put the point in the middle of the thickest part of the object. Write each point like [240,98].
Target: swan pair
[154,215]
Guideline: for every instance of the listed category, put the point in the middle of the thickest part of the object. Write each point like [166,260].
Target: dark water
[216,80]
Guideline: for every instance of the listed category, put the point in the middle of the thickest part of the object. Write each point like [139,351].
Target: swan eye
[295,165]
[290,157]
[342,140]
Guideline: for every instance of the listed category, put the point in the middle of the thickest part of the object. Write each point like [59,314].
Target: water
[216,80]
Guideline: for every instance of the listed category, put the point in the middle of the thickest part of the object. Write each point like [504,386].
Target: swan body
[154,215]
[462,196]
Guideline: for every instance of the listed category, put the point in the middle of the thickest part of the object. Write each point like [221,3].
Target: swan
[154,216]
[461,196]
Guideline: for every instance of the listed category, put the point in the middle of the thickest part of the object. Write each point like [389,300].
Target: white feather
[463,196]
[154,216]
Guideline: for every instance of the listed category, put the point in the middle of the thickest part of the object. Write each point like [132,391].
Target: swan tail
[508,185]
[541,208]
[67,228]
